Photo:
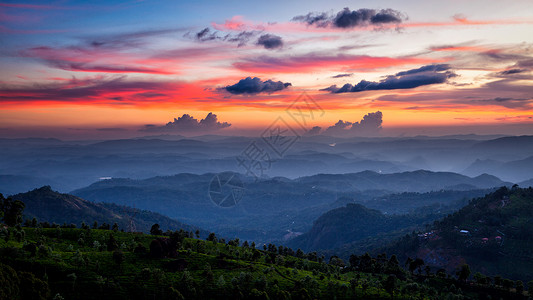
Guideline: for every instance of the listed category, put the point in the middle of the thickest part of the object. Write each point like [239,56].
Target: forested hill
[46,205]
[353,223]
[493,234]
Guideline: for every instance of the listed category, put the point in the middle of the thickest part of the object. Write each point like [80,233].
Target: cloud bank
[188,124]
[426,75]
[347,18]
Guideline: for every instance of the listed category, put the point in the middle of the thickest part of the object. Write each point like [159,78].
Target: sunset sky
[110,69]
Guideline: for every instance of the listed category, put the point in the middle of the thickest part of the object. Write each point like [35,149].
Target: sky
[116,69]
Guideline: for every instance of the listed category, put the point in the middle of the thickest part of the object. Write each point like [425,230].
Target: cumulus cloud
[426,75]
[314,131]
[270,41]
[189,124]
[370,125]
[348,18]
[340,128]
[254,85]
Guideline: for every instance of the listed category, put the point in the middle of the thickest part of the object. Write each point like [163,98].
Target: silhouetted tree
[463,273]
[11,210]
[530,287]
[519,286]
[118,257]
[416,264]
[112,243]
[390,285]
[155,230]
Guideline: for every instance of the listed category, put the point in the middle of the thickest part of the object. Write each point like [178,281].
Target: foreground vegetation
[99,261]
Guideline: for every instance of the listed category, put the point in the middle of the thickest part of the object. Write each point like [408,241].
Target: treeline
[101,262]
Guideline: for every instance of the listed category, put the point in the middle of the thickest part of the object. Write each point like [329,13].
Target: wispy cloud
[313,61]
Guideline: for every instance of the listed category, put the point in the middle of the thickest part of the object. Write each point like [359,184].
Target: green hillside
[59,263]
[493,234]
[49,206]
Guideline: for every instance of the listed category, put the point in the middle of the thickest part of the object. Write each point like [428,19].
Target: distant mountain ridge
[415,181]
[70,165]
[514,170]
[46,205]
[271,207]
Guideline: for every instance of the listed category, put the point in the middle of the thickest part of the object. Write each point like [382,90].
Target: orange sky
[108,74]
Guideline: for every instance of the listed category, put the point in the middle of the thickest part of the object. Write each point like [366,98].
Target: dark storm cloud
[189,124]
[347,18]
[426,75]
[270,41]
[254,85]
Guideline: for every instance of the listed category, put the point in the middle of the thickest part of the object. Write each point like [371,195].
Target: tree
[416,264]
[32,287]
[480,278]
[354,261]
[427,269]
[507,283]
[118,257]
[530,287]
[463,273]
[9,282]
[390,285]
[519,285]
[112,243]
[11,210]
[115,227]
[155,230]
[212,237]
[497,280]
[156,250]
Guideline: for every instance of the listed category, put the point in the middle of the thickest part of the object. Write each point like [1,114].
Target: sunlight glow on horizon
[100,71]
